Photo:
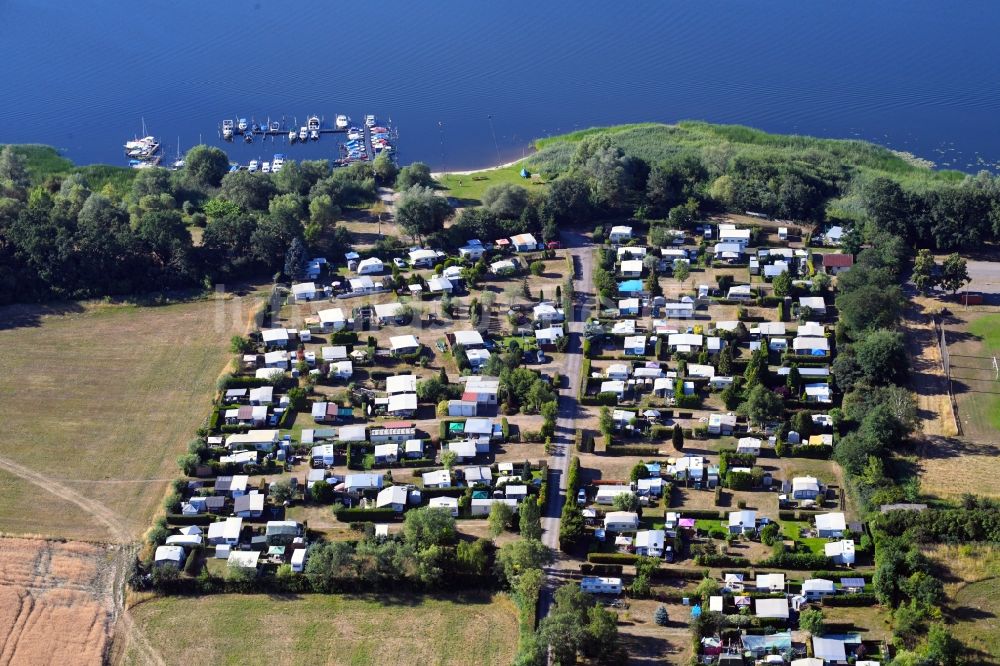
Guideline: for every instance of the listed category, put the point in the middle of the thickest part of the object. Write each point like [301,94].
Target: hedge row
[588,569]
[181,519]
[796,561]
[713,560]
[611,558]
[632,450]
[817,451]
[365,515]
[860,599]
[835,574]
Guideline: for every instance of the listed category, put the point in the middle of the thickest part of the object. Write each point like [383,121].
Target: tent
[525,173]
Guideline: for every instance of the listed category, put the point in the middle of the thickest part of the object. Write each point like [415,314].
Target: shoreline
[471,172]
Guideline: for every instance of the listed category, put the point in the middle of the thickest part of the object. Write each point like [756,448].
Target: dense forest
[82,232]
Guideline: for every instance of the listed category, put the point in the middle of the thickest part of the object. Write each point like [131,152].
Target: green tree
[426,526]
[882,357]
[794,380]
[420,212]
[942,648]
[812,621]
[605,423]
[506,200]
[500,518]
[385,170]
[281,491]
[660,617]
[321,492]
[416,174]
[241,345]
[782,284]
[205,166]
[869,307]
[517,557]
[639,471]
[954,273]
[707,587]
[530,519]
[761,405]
[572,528]
[770,533]
[677,437]
[322,210]
[537,267]
[626,502]
[682,271]
[925,271]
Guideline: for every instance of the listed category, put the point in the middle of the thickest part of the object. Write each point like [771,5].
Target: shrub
[355,515]
[611,558]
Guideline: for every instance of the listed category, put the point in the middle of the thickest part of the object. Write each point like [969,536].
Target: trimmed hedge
[702,513]
[612,558]
[721,561]
[632,450]
[817,451]
[834,574]
[860,599]
[365,515]
[684,574]
[588,569]
[796,561]
[181,519]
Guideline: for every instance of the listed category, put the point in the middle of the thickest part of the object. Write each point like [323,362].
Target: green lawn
[470,188]
[987,327]
[473,628]
[976,608]
[790,530]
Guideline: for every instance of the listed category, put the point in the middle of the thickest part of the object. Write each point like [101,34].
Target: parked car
[581,497]
[399,262]
[553,245]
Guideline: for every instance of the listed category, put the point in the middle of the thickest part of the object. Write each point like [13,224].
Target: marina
[354,142]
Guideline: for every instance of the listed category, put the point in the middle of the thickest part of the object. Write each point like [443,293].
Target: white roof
[479,426]
[621,230]
[635,342]
[680,306]
[169,554]
[628,303]
[439,284]
[391,495]
[817,585]
[630,517]
[637,251]
[275,356]
[543,310]
[387,310]
[811,343]
[477,473]
[805,483]
[228,529]
[299,556]
[437,477]
[617,369]
[303,288]
[401,384]
[813,302]
[352,433]
[624,326]
[402,402]
[523,239]
[331,315]
[613,386]
[551,333]
[831,521]
[419,255]
[777,608]
[829,649]
[771,328]
[243,558]
[252,437]
[715,604]
[363,481]
[443,503]
[839,548]
[374,262]
[811,328]
[414,446]
[468,338]
[274,335]
[650,538]
[696,370]
[745,518]
[361,284]
[613,491]
[403,341]
[465,448]
[692,339]
[632,266]
[384,450]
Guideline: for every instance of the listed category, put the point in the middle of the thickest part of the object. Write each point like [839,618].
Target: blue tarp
[525,173]
[695,611]
[761,644]
[630,286]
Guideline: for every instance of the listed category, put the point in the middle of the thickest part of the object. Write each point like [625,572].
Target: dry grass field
[331,629]
[54,606]
[98,402]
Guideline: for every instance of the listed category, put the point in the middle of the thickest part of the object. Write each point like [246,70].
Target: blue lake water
[919,75]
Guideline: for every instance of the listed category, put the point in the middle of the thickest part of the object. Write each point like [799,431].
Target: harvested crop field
[98,402]
[330,629]
[54,606]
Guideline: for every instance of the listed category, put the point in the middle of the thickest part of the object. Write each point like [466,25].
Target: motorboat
[370,120]
[265,167]
[233,167]
[274,126]
[242,125]
[227,129]
[253,166]
[312,123]
[343,121]
[303,134]
[354,133]
[314,135]
[292,136]
[248,137]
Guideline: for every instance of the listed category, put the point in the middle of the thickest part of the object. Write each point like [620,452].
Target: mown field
[99,400]
[330,629]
